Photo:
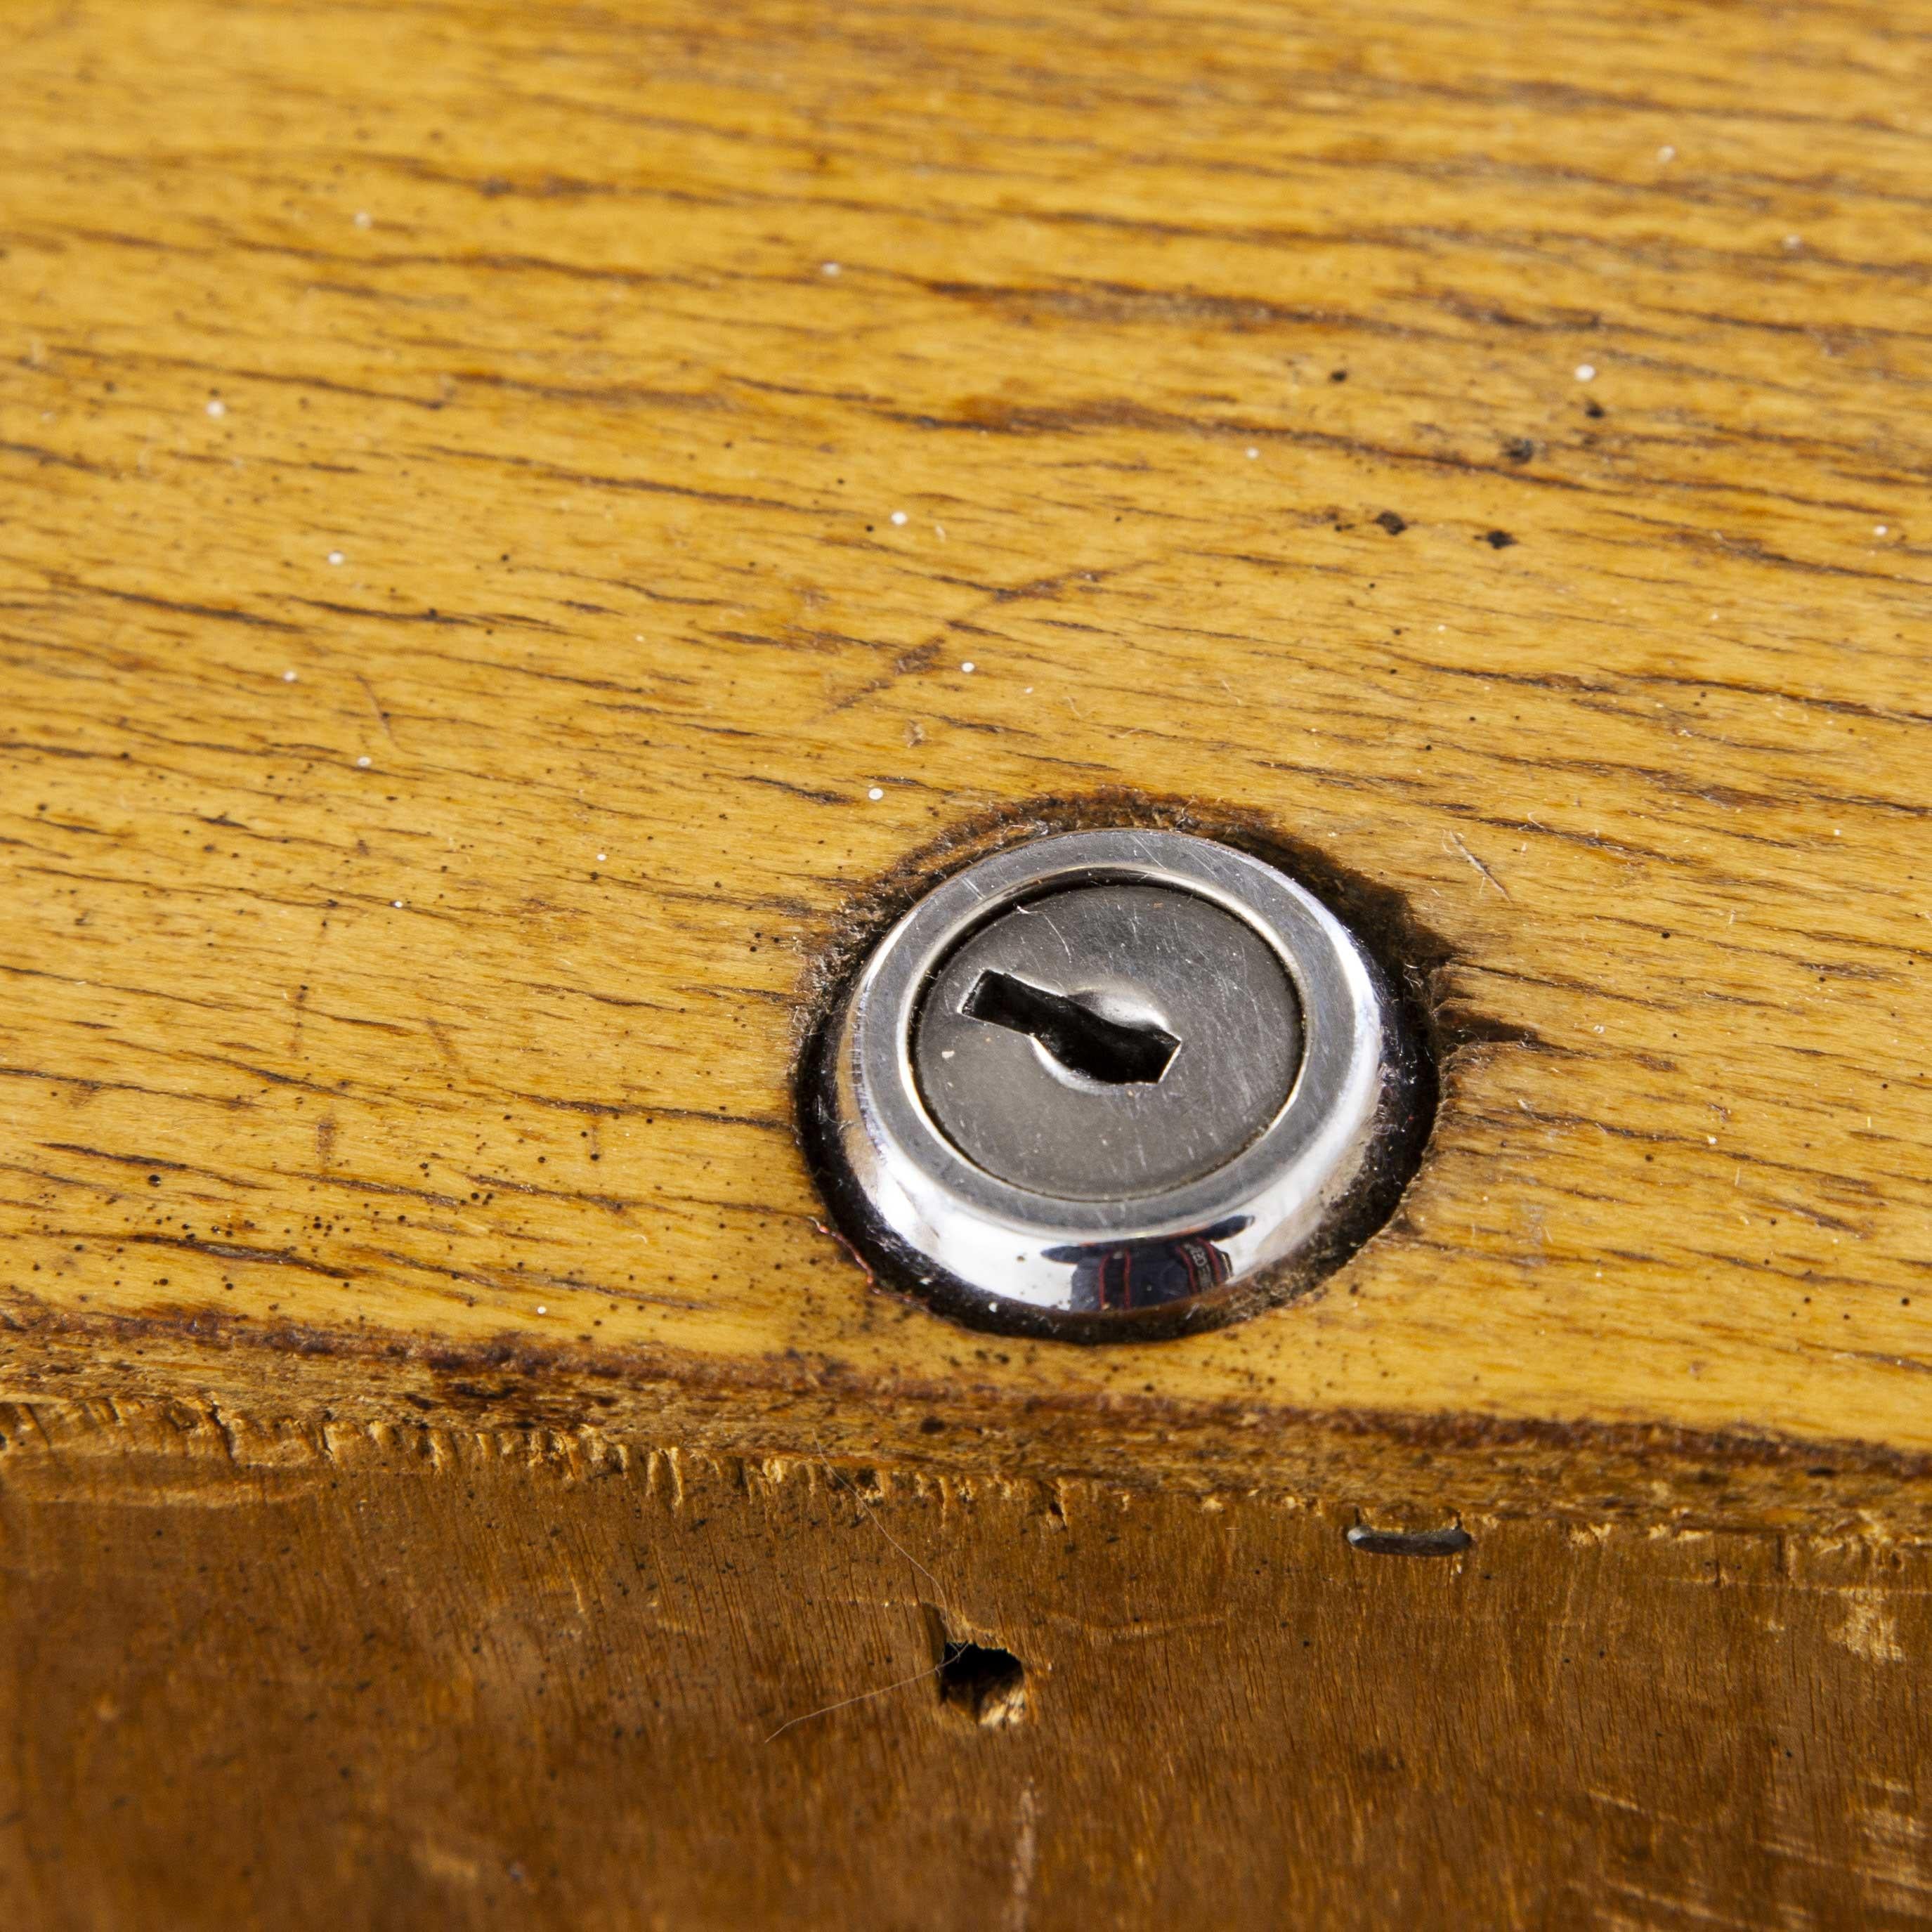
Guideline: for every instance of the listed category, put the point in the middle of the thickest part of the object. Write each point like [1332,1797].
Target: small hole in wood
[988,1685]
[978,1682]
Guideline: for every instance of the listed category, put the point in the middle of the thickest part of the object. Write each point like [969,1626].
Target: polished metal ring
[1306,1180]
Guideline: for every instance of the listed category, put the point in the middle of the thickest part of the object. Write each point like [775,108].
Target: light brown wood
[405,951]
[494,493]
[497,506]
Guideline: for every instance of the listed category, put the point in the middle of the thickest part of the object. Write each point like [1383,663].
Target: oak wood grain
[517,521]
[395,1676]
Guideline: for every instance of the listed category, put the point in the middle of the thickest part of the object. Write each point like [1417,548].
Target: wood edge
[1427,1468]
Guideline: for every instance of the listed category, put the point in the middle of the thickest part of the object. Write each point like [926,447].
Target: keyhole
[1117,1054]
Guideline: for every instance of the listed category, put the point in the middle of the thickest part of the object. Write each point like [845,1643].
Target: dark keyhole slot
[1080,1040]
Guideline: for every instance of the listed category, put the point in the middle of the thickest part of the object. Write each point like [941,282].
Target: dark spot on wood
[980,1681]
[1450,1541]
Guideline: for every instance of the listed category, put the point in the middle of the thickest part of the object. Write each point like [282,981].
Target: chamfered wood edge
[245,1378]
[74,1435]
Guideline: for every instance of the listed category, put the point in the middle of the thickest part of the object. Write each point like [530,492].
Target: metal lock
[1112,1084]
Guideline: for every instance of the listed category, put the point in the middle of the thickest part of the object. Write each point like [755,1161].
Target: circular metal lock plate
[1112,1084]
[1108,1042]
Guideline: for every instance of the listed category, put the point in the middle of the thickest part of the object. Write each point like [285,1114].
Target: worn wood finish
[523,530]
[463,657]
[327,1677]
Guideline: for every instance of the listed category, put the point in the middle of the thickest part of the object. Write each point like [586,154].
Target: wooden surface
[526,319]
[406,1677]
[499,510]
[525,531]
[500,506]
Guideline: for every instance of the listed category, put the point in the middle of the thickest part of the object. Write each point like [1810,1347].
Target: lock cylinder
[1115,1084]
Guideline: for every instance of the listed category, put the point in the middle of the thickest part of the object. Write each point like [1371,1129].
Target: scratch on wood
[1456,839]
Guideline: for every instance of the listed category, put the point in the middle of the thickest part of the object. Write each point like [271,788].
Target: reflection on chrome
[1149,1274]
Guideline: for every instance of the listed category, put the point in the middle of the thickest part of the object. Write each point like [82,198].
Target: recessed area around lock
[1118,1082]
